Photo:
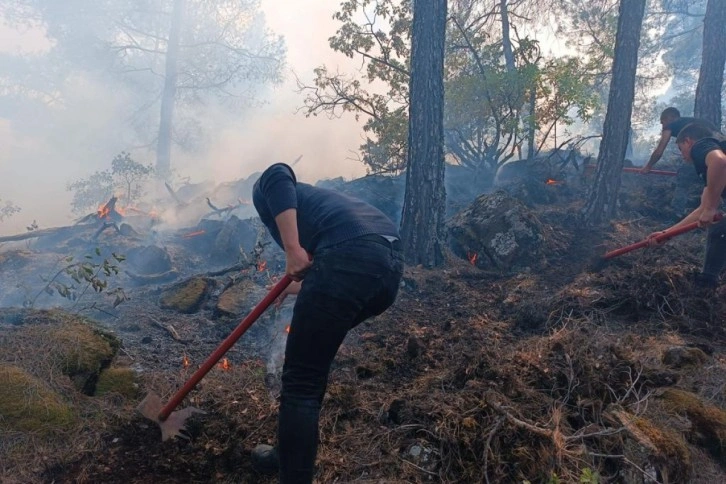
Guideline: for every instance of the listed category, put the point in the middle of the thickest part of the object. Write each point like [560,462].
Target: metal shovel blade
[174,424]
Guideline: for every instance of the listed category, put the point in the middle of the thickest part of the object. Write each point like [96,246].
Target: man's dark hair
[694,131]
[670,113]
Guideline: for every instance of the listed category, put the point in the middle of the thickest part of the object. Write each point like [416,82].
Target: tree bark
[532,123]
[422,221]
[168,96]
[506,40]
[602,201]
[713,61]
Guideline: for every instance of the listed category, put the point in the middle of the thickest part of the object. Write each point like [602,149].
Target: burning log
[106,212]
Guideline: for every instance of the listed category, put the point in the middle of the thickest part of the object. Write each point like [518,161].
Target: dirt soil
[563,373]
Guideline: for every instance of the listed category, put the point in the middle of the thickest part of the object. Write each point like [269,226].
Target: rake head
[172,426]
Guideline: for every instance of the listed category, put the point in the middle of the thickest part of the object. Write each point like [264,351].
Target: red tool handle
[659,238]
[651,172]
[224,347]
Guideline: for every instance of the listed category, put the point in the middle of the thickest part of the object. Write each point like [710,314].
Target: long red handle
[659,238]
[628,169]
[224,347]
[632,169]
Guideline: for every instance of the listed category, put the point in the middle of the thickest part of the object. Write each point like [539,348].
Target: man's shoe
[265,459]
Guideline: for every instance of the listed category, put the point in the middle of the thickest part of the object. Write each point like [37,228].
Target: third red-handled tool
[629,169]
[667,234]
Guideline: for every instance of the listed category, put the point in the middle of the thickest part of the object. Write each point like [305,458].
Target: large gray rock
[500,230]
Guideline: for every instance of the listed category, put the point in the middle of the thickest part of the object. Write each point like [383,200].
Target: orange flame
[287,329]
[185,362]
[103,211]
[472,256]
[261,266]
[193,234]
[550,181]
[224,365]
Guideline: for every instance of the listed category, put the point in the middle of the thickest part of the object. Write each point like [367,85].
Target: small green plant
[126,178]
[73,280]
[588,476]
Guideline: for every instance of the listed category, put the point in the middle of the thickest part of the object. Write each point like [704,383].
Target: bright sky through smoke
[34,171]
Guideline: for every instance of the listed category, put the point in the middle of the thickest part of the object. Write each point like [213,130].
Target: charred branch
[173,194]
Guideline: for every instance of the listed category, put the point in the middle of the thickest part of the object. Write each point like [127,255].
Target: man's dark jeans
[715,252]
[346,284]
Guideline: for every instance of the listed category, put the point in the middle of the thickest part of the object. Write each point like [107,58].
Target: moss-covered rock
[117,380]
[186,297]
[237,299]
[708,421]
[682,356]
[666,449]
[81,351]
[27,404]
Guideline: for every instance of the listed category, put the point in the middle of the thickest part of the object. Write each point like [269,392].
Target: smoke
[41,155]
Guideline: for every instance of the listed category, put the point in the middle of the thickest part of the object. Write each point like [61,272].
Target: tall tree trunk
[506,40]
[532,122]
[713,61]
[168,96]
[422,221]
[602,202]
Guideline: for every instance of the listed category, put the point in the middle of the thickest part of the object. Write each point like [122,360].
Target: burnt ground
[567,372]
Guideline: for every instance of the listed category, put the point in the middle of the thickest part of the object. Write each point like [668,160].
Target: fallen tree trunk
[42,233]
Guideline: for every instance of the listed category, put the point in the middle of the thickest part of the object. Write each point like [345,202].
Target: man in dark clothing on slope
[345,258]
[699,146]
[684,198]
[672,123]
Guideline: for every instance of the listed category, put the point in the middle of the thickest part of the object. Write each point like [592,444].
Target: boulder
[149,259]
[118,380]
[234,235]
[497,232]
[237,299]
[29,405]
[186,297]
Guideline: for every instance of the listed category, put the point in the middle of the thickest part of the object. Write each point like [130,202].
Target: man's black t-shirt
[324,217]
[676,126]
[699,151]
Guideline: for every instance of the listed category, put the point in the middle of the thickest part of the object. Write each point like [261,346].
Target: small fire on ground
[261,266]
[472,256]
[224,365]
[193,234]
[551,181]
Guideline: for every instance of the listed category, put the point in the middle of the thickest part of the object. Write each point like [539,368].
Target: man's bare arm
[297,259]
[665,138]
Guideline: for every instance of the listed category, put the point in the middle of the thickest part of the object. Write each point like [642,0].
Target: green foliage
[7,210]
[589,476]
[488,112]
[74,278]
[125,176]
[386,55]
